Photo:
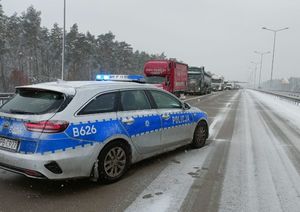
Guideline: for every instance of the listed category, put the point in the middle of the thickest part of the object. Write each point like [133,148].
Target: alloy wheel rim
[202,133]
[115,162]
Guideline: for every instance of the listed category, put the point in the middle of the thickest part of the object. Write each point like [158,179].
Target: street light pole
[63,44]
[250,83]
[254,83]
[273,56]
[261,62]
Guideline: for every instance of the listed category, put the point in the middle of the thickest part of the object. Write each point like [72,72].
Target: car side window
[134,100]
[164,100]
[101,104]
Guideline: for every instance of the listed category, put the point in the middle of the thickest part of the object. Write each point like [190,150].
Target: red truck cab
[169,75]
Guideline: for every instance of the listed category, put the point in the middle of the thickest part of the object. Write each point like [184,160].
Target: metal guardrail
[290,96]
[4,97]
[287,93]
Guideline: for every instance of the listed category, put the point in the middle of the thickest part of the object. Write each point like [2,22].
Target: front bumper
[73,163]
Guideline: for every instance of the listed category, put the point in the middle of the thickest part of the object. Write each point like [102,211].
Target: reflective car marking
[148,131]
[99,131]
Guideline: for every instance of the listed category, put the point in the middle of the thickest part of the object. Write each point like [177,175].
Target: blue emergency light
[121,78]
[101,77]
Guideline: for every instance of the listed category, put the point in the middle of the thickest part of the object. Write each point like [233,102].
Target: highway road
[251,163]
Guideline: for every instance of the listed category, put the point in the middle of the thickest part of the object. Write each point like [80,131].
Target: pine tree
[2,46]
[55,51]
[31,25]
[31,53]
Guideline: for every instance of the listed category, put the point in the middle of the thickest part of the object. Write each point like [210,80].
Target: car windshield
[155,80]
[32,101]
[194,76]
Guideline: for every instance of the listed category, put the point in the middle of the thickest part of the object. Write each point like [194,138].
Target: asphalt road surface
[251,163]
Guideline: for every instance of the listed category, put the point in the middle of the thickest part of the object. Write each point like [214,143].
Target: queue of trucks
[178,78]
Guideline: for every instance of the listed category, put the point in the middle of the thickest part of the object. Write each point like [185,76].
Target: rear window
[32,101]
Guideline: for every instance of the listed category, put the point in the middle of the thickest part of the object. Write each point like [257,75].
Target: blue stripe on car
[50,143]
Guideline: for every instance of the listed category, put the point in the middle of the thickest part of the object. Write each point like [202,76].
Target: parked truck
[199,81]
[217,82]
[169,75]
[207,83]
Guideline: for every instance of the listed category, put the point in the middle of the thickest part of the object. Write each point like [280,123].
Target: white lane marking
[212,126]
[175,181]
[197,97]
[215,126]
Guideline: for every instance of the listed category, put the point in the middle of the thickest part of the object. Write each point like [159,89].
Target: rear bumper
[73,163]
[26,172]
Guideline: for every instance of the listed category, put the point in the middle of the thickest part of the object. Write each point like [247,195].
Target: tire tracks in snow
[286,133]
[260,175]
[205,192]
[169,190]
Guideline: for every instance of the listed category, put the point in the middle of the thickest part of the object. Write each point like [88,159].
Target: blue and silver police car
[61,130]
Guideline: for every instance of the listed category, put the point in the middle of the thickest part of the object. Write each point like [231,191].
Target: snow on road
[168,191]
[260,176]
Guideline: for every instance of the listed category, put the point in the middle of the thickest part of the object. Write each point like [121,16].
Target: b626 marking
[84,130]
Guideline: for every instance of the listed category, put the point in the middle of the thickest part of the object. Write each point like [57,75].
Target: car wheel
[200,135]
[114,161]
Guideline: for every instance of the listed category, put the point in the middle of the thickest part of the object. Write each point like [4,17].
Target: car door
[141,122]
[177,121]
[97,120]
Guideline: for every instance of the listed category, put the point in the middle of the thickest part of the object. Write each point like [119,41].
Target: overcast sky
[221,35]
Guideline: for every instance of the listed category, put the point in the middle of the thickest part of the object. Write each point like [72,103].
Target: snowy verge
[286,110]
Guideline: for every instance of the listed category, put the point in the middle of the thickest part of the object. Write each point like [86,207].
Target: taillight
[47,126]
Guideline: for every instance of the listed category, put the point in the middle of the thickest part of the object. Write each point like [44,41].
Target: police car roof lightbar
[121,78]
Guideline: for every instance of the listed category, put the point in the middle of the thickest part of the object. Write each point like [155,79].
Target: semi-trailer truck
[199,81]
[169,75]
[217,82]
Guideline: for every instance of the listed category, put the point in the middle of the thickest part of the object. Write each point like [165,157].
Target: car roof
[70,87]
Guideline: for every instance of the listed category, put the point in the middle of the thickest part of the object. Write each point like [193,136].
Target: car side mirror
[186,106]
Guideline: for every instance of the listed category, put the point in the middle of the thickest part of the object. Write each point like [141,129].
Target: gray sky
[219,34]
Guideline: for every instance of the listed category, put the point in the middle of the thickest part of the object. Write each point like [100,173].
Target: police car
[61,130]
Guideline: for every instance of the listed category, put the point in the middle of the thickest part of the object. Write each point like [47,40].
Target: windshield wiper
[20,112]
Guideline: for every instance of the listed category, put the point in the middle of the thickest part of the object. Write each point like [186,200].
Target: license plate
[9,144]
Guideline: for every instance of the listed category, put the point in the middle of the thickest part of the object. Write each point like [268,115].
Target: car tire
[113,162]
[200,135]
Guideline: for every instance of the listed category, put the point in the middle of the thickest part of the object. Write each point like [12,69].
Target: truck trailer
[199,81]
[169,75]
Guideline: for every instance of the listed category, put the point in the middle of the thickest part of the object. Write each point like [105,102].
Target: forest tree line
[30,53]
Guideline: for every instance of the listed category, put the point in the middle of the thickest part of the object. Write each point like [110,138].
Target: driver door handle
[128,121]
[165,116]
